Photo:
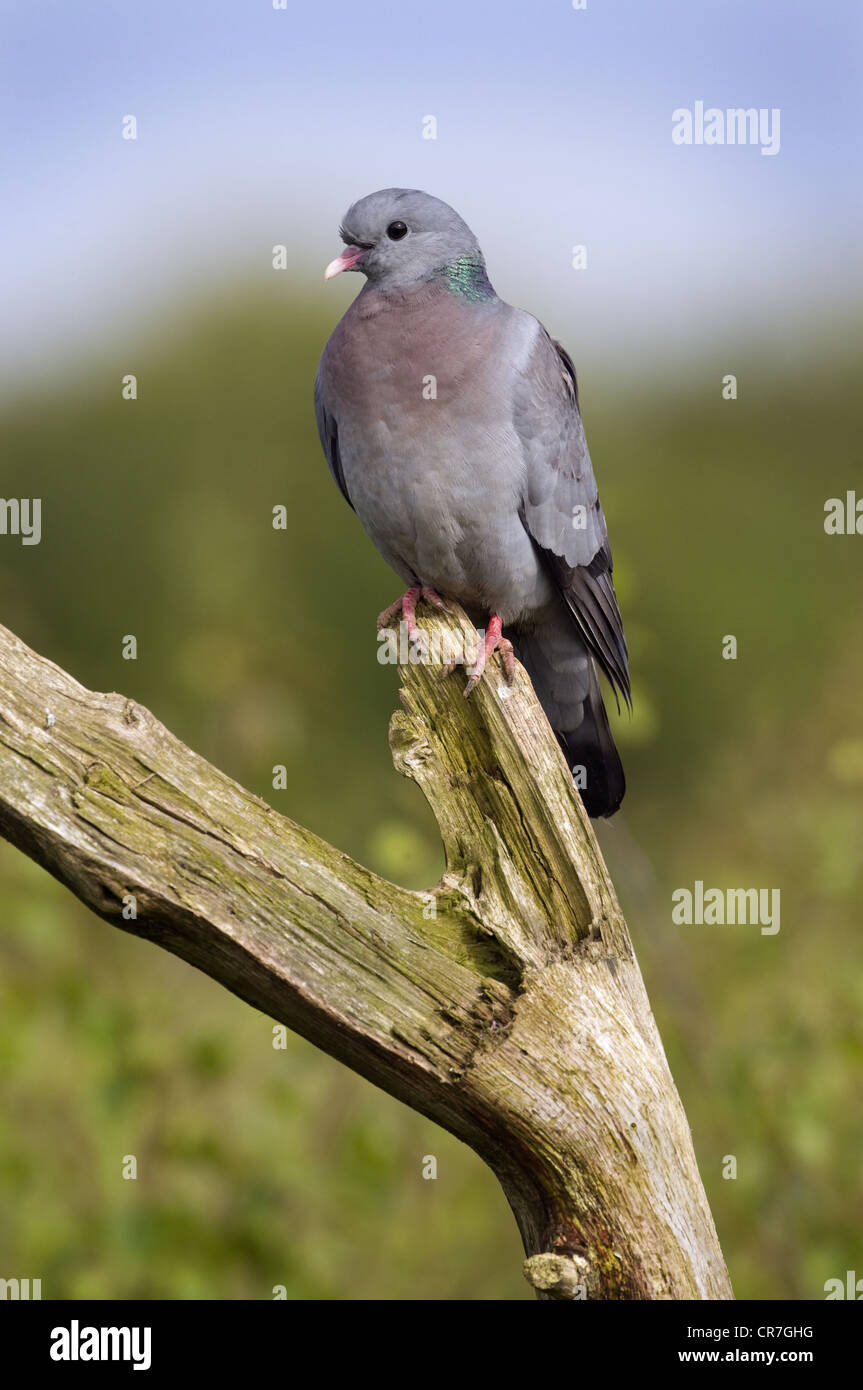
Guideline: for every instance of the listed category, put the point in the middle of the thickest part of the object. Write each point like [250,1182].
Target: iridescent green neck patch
[466,277]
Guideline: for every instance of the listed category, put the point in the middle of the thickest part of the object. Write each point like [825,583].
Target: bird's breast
[432,462]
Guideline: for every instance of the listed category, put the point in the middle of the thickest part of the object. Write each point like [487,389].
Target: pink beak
[346,261]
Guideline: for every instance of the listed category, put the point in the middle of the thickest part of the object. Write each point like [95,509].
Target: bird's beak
[346,261]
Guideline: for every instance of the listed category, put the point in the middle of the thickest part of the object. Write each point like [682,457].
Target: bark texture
[506,1003]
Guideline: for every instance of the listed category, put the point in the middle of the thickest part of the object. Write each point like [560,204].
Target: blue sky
[258,126]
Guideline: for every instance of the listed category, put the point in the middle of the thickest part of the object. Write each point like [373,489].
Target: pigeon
[450,421]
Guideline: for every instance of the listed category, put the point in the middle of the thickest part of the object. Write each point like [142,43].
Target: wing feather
[560,509]
[328,431]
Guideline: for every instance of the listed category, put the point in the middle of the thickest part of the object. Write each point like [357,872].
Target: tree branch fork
[506,1003]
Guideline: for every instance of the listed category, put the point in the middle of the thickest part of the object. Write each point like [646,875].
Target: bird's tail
[567,686]
[592,747]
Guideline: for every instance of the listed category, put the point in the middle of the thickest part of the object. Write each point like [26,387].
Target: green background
[260,1167]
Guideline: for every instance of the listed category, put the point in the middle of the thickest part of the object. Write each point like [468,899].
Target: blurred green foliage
[260,1167]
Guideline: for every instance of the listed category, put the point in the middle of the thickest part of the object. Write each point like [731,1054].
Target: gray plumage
[485,492]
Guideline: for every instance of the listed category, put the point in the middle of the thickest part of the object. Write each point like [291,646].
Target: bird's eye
[396,230]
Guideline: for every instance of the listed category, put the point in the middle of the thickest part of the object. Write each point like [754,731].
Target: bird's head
[400,237]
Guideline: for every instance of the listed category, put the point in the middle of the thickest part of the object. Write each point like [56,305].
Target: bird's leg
[494,641]
[406,607]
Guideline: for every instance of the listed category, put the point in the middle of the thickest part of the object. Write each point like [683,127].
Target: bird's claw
[494,641]
[406,606]
[432,597]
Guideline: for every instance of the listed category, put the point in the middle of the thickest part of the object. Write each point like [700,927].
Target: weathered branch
[506,1004]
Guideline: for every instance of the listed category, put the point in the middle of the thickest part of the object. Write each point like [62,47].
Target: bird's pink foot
[494,641]
[406,607]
